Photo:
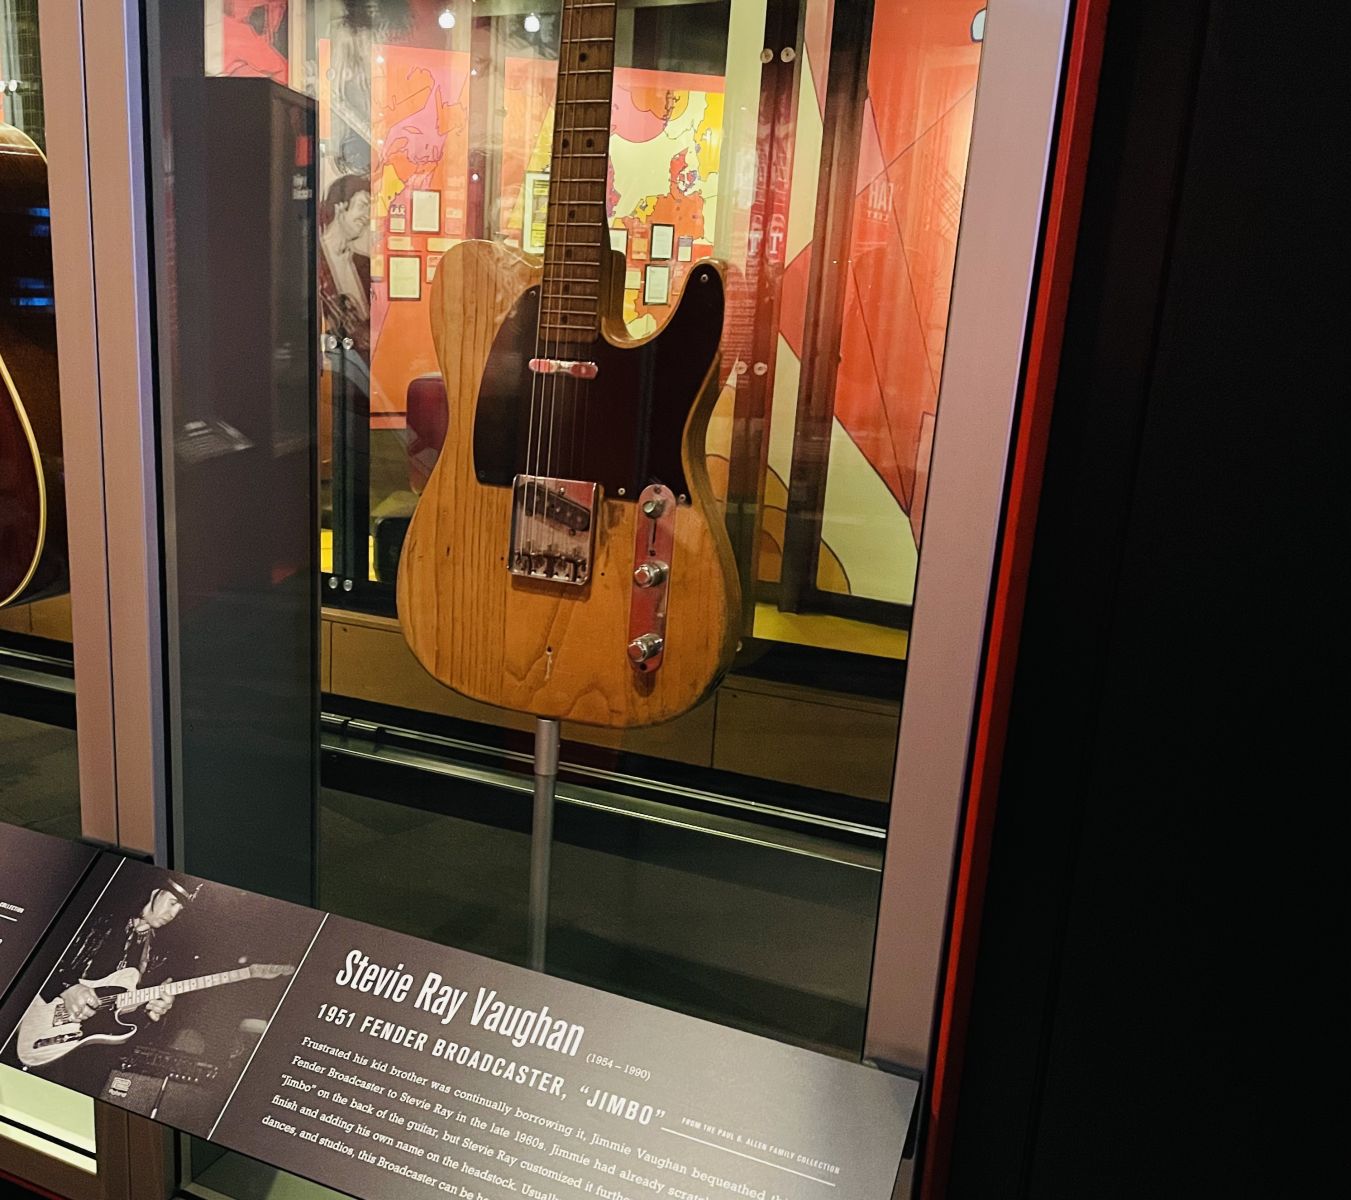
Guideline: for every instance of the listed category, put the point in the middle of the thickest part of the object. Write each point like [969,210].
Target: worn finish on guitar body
[539,646]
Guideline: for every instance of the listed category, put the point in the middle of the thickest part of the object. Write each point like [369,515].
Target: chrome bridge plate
[553,528]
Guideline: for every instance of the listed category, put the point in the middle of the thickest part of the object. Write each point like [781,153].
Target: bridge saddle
[553,529]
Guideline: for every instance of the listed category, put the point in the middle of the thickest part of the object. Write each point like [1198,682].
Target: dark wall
[1175,766]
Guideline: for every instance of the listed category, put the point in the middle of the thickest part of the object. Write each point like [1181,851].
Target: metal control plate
[653,551]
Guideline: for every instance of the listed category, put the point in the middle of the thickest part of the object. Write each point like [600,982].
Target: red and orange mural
[923,66]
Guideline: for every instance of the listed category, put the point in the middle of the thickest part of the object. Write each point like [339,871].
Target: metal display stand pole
[542,837]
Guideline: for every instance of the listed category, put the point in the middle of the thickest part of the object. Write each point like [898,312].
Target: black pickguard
[622,429]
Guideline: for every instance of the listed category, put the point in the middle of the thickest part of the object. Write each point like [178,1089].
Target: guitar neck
[575,237]
[178,987]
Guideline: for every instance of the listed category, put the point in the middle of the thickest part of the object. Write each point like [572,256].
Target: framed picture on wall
[662,243]
[534,211]
[426,211]
[405,277]
[619,238]
[657,284]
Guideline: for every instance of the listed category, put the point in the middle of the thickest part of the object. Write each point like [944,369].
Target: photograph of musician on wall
[162,994]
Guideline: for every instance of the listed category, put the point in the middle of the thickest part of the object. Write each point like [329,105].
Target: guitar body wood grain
[556,650]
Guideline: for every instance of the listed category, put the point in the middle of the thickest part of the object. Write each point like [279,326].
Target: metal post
[542,837]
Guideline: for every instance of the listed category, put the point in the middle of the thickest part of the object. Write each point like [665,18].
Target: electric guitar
[567,557]
[48,1032]
[32,496]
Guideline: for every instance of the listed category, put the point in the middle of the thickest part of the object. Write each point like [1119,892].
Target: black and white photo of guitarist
[162,993]
[113,942]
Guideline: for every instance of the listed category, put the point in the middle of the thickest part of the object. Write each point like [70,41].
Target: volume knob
[650,573]
[644,647]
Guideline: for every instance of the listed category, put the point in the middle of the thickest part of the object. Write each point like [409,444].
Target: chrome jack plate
[653,548]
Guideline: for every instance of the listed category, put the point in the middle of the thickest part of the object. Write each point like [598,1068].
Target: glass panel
[39,779]
[37,711]
[725,862]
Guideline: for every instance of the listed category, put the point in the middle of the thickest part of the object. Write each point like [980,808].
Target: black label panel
[386,1066]
[37,875]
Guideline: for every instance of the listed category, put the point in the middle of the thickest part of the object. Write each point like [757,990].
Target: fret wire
[573,261]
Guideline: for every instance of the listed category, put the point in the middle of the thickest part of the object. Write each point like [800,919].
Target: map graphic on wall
[666,133]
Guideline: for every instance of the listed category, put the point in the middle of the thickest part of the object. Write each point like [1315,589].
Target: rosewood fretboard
[575,235]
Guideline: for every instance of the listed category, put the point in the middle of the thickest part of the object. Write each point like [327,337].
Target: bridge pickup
[553,529]
[564,366]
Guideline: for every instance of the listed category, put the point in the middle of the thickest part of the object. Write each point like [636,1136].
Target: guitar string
[545,351]
[608,18]
[581,101]
[553,248]
[540,386]
[567,90]
[596,35]
[578,349]
[582,391]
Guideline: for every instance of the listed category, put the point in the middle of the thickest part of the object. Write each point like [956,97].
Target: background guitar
[567,557]
[32,492]
[48,1032]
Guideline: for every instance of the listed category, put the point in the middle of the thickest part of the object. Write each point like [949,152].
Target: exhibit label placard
[379,1064]
[37,875]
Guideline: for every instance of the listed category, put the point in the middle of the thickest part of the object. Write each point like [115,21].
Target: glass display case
[722,147]
[323,159]
[302,183]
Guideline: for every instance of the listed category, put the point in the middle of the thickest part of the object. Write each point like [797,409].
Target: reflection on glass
[38,779]
[816,148]
[39,783]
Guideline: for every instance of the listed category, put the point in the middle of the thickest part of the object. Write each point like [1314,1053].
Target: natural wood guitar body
[540,647]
